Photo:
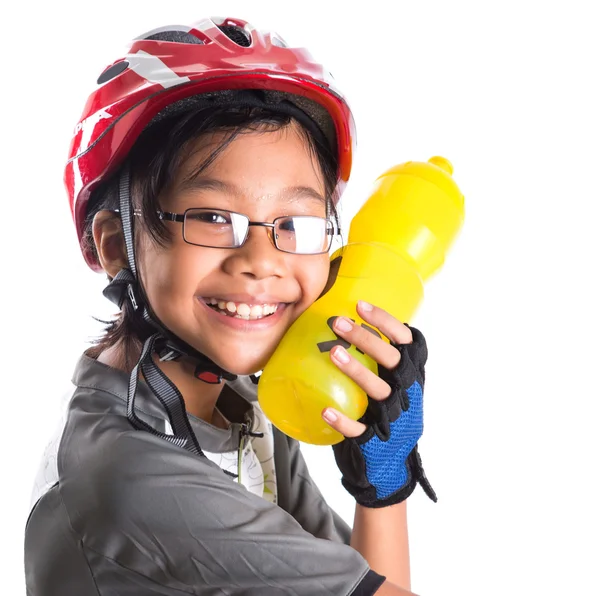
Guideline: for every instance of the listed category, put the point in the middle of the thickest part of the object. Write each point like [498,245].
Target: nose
[257,257]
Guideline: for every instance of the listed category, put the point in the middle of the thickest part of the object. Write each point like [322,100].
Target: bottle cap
[443,163]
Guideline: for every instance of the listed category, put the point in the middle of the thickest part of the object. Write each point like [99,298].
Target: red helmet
[174,62]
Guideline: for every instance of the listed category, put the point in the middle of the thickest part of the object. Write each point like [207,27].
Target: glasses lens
[303,235]
[212,227]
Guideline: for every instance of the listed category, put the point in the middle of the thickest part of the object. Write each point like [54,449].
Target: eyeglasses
[216,228]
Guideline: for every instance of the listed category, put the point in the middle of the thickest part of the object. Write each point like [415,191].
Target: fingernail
[340,354]
[365,306]
[330,415]
[343,324]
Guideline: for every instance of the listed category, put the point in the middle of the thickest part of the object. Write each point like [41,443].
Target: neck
[200,398]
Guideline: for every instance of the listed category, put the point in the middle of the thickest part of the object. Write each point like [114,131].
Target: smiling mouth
[242,310]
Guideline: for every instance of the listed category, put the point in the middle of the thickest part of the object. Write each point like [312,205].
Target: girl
[203,180]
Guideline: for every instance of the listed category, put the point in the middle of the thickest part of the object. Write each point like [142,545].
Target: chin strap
[167,394]
[125,286]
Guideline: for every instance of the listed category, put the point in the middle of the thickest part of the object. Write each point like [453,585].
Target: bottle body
[397,240]
[300,380]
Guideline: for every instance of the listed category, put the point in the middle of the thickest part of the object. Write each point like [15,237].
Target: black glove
[382,466]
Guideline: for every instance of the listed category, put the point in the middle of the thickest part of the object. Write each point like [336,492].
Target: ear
[110,243]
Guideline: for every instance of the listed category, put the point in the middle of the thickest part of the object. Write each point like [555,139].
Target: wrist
[381,537]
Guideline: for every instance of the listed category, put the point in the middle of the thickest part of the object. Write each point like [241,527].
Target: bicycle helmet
[169,67]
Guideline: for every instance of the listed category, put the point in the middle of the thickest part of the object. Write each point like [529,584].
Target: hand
[378,459]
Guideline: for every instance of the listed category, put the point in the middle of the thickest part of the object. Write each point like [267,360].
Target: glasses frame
[180,218]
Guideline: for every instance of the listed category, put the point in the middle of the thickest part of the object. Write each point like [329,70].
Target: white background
[508,91]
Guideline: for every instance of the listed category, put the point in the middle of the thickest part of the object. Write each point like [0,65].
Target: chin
[237,359]
[243,369]
[240,365]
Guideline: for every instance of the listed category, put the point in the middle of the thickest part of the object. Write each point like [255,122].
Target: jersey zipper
[245,433]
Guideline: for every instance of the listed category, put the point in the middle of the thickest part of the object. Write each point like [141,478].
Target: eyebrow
[290,193]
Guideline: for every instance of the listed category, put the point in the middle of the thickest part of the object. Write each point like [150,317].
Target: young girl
[203,179]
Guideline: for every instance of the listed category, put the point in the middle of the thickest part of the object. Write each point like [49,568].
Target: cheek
[313,277]
[170,276]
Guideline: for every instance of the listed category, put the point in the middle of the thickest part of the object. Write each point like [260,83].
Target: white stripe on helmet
[154,70]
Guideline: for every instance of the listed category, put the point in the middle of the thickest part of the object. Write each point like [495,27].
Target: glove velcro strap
[365,493]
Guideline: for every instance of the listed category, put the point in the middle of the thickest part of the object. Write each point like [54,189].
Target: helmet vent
[176,36]
[112,71]
[236,34]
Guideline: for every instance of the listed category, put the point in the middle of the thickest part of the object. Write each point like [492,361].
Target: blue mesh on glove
[382,466]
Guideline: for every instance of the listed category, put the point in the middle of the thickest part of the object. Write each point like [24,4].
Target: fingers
[368,341]
[389,325]
[344,425]
[369,382]
[372,385]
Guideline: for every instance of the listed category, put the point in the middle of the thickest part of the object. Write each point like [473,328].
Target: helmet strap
[125,286]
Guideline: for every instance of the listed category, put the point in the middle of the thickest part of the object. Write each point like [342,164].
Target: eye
[209,217]
[287,225]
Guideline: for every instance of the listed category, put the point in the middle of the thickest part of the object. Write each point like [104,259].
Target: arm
[379,459]
[389,589]
[381,537]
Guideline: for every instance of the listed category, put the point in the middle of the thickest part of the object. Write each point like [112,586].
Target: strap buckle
[131,294]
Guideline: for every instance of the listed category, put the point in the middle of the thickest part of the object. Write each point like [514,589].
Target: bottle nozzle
[443,163]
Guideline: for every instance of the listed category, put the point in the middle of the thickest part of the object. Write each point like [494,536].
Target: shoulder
[111,473]
[124,464]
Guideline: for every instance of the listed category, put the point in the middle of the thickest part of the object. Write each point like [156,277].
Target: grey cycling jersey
[132,514]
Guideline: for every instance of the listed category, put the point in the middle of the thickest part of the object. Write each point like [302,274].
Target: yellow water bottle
[397,240]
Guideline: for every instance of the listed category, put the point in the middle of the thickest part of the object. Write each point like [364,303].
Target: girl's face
[263,176]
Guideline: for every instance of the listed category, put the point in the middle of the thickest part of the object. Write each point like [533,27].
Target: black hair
[153,162]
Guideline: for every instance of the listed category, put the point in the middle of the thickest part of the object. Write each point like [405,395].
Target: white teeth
[255,311]
[243,310]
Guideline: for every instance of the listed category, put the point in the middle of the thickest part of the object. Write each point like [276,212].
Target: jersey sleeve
[151,514]
[302,498]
